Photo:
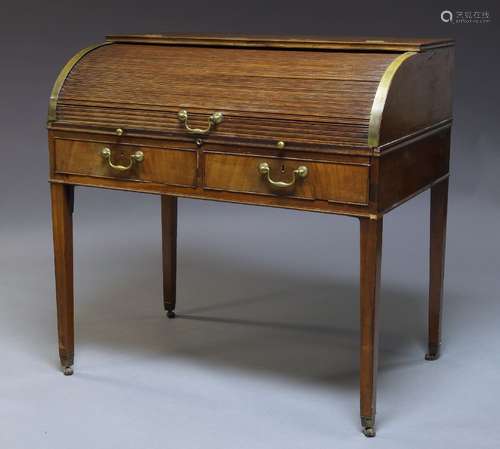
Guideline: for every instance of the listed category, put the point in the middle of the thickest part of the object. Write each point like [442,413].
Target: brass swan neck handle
[215,119]
[299,172]
[138,156]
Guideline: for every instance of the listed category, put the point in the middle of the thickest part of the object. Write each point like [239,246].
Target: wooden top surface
[289,42]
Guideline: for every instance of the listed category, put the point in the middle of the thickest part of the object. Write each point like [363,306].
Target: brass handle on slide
[215,119]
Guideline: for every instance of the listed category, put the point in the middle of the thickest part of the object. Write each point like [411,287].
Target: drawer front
[332,181]
[126,162]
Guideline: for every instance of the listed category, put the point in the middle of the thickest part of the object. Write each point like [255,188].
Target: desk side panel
[408,170]
[420,95]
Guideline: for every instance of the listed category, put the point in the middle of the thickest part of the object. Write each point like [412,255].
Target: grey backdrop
[265,351]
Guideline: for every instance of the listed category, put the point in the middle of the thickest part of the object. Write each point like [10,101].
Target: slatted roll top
[337,95]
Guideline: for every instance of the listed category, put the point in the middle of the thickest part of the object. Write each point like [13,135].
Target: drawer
[126,162]
[317,180]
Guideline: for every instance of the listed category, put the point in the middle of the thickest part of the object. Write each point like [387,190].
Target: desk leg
[169,239]
[62,224]
[439,209]
[371,258]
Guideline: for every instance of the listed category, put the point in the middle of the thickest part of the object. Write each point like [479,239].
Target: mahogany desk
[344,126]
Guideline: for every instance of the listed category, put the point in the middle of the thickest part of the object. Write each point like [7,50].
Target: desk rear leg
[169,244]
[439,209]
[370,268]
[62,226]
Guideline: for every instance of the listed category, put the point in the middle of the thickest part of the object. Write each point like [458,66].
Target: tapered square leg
[370,268]
[62,224]
[439,210]
[169,239]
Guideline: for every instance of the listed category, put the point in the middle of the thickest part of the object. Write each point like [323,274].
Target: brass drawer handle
[138,156]
[299,172]
[215,119]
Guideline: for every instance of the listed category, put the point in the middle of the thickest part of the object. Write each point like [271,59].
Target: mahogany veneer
[349,126]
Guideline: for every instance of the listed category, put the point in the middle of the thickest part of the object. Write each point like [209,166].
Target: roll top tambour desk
[344,126]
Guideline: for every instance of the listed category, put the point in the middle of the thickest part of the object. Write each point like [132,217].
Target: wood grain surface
[343,183]
[412,168]
[169,250]
[370,273]
[280,95]
[62,197]
[380,43]
[420,95]
[316,95]
[176,167]
[439,213]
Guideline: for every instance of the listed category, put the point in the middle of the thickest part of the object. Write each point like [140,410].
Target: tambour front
[346,126]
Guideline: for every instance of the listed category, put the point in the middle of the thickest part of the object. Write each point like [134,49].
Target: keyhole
[282,168]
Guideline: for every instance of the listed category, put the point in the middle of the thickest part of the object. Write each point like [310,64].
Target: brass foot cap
[171,314]
[368,425]
[369,432]
[68,370]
